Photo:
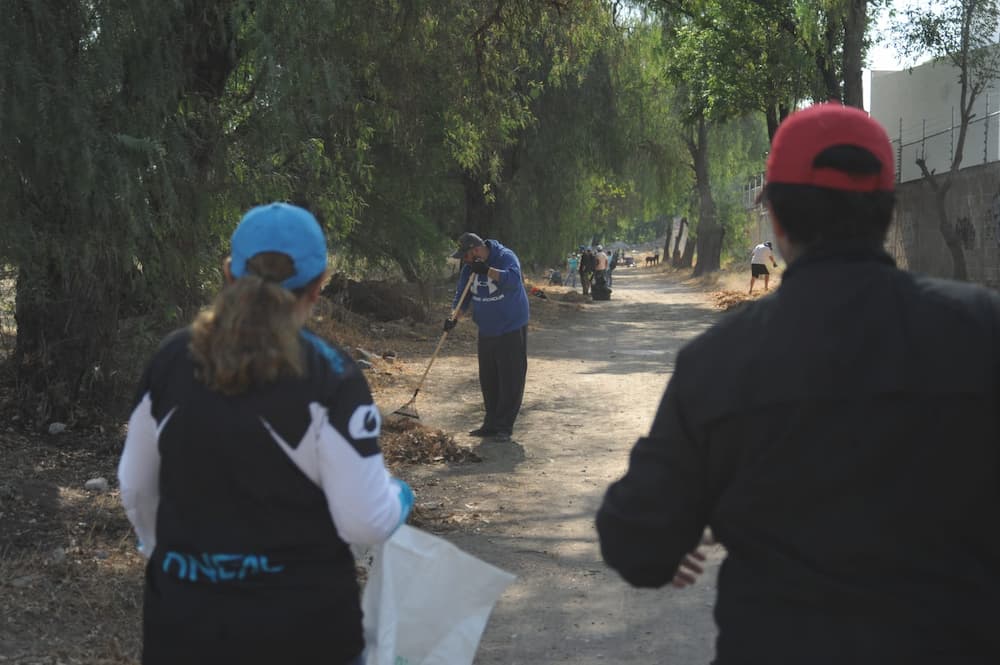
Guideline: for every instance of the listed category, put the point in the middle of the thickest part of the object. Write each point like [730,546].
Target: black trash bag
[599,290]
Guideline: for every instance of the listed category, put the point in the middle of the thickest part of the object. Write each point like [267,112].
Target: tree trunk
[67,325]
[709,250]
[675,256]
[772,120]
[940,188]
[479,213]
[407,266]
[855,24]
[686,259]
[709,231]
[666,241]
[951,239]
[825,59]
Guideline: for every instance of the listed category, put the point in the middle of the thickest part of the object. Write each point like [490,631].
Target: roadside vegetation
[133,136]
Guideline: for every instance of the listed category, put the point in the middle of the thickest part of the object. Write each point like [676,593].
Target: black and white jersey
[255,496]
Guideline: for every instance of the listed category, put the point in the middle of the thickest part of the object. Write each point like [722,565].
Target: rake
[408,410]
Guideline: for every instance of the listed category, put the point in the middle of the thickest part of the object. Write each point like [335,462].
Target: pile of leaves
[574,297]
[406,441]
[729,300]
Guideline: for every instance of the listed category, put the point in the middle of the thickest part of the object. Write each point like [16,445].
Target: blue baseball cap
[283,228]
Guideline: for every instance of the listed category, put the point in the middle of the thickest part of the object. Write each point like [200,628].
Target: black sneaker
[501,437]
[483,431]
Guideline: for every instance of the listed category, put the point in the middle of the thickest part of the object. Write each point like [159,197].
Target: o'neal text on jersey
[217,567]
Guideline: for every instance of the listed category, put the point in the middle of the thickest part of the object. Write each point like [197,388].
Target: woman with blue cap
[252,462]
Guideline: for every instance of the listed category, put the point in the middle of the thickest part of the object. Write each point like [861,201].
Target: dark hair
[819,215]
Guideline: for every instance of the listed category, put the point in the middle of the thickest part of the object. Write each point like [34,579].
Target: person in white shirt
[762,253]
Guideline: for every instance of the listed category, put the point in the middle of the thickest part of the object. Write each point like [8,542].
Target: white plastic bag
[426,602]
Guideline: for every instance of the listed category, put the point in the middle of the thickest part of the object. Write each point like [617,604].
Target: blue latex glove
[405,500]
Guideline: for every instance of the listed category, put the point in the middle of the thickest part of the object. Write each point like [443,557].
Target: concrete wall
[973,206]
[919,109]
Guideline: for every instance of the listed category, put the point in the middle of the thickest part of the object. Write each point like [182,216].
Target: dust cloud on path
[594,382]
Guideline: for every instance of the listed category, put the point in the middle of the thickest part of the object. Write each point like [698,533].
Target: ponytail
[250,336]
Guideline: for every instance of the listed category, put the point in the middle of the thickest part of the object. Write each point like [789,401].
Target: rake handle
[444,335]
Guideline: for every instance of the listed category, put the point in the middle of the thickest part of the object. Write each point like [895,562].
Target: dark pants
[503,366]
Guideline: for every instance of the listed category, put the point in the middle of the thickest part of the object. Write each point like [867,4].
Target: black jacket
[248,503]
[841,439]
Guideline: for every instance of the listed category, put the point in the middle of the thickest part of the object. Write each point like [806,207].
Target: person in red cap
[858,497]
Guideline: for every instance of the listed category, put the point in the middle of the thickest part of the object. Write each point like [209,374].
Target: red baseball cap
[805,134]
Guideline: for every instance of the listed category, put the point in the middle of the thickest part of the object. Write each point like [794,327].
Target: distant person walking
[251,462]
[500,308]
[587,264]
[612,264]
[761,254]
[572,269]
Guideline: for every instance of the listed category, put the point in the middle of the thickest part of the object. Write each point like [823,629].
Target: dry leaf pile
[408,442]
[727,300]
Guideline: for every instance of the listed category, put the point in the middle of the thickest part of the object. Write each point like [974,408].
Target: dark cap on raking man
[282,228]
[805,134]
[467,241]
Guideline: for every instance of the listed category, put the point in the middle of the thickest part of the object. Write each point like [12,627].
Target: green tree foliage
[726,58]
[712,48]
[651,125]
[107,133]
[133,135]
[738,150]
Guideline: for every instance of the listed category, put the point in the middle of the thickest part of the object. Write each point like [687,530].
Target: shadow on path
[595,377]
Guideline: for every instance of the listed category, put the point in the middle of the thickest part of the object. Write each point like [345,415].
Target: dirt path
[594,383]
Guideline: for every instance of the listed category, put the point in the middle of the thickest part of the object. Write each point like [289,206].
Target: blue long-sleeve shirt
[499,306]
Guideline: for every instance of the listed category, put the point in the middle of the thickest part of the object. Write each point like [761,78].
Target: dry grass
[85,608]
[70,578]
[728,288]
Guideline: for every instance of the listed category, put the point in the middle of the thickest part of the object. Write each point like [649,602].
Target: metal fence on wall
[760,224]
[935,140]
[914,240]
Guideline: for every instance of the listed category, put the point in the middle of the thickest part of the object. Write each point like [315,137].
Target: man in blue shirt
[500,309]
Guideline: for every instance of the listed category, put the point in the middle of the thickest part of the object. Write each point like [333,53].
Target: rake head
[408,410]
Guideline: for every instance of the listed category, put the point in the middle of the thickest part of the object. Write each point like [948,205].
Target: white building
[920,110]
